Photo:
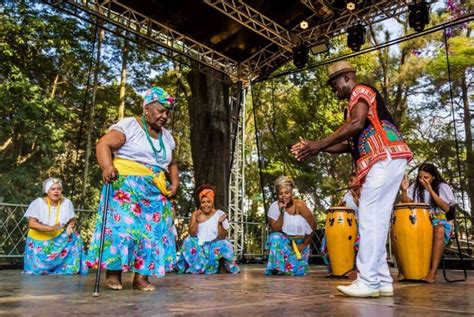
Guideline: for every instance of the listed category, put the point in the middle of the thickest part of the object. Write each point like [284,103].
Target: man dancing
[381,156]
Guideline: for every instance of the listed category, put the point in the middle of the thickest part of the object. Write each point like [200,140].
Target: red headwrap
[209,193]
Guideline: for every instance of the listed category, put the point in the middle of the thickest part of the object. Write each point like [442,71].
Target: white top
[445,193]
[293,225]
[207,230]
[350,203]
[39,209]
[138,149]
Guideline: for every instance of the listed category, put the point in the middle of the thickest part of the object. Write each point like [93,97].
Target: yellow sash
[441,216]
[43,235]
[131,168]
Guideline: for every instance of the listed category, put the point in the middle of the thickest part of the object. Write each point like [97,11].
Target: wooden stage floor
[249,294]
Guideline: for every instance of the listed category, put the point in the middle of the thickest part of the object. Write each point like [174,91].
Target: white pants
[375,209]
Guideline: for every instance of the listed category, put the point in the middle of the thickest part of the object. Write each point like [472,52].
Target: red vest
[379,135]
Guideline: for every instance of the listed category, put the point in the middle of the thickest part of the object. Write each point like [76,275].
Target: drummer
[430,188]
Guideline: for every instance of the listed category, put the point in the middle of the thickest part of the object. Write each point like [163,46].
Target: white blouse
[207,230]
[350,203]
[138,149]
[445,193]
[293,225]
[39,209]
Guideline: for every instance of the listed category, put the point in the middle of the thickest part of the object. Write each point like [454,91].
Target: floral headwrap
[209,193]
[159,95]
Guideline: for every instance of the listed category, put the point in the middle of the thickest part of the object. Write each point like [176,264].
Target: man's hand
[305,149]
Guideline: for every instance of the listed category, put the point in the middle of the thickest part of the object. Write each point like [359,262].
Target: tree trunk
[123,80]
[210,132]
[90,127]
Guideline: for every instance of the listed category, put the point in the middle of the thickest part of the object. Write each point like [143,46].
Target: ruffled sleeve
[67,212]
[34,209]
[274,211]
[446,194]
[126,126]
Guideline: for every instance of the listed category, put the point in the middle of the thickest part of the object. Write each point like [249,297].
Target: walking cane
[102,238]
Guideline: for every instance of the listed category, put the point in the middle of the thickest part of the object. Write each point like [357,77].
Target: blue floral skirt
[205,259]
[282,259]
[446,226]
[62,255]
[137,235]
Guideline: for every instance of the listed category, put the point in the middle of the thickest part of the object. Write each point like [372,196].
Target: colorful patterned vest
[379,135]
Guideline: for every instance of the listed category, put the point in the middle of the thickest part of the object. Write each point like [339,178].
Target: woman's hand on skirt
[109,173]
[70,229]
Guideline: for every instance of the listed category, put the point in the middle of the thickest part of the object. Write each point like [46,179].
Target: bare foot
[113,279]
[353,275]
[141,283]
[429,279]
[400,277]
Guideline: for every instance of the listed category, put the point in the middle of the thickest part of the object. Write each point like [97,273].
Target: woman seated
[206,250]
[430,188]
[52,245]
[293,226]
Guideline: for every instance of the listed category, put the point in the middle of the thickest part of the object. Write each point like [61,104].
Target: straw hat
[339,68]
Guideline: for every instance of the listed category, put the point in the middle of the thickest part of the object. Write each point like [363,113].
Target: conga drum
[341,234]
[412,237]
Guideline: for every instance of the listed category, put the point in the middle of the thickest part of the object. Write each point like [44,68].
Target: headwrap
[158,94]
[50,182]
[209,193]
[284,181]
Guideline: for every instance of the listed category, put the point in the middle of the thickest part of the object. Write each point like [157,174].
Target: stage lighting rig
[351,5]
[356,37]
[418,16]
[300,55]
[304,25]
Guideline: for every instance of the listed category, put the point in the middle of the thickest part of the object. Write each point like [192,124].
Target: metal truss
[177,43]
[278,52]
[268,60]
[236,207]
[254,20]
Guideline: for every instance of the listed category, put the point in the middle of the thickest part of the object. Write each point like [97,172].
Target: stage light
[300,56]
[419,15]
[356,37]
[350,5]
[320,47]
[304,25]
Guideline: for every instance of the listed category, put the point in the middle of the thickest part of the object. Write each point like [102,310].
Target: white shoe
[386,290]
[358,289]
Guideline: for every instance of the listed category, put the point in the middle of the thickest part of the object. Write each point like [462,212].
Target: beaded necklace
[160,155]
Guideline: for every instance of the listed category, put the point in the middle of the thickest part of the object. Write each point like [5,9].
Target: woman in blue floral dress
[138,233]
[206,251]
[53,246]
[293,226]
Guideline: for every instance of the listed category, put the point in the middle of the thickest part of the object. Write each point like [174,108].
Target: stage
[249,293]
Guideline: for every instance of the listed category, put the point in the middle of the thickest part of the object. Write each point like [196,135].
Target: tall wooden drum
[341,234]
[412,238]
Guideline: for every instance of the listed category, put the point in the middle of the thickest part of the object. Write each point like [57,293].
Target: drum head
[339,208]
[412,206]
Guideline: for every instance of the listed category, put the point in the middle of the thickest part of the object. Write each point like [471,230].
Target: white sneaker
[386,290]
[358,289]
